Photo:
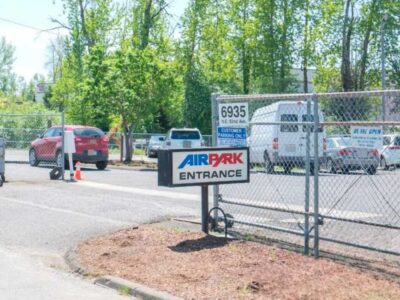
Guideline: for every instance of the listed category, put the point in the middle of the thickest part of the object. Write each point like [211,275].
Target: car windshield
[386,140]
[343,141]
[185,135]
[89,132]
[156,139]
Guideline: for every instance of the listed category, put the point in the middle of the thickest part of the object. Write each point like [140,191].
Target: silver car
[341,155]
[155,144]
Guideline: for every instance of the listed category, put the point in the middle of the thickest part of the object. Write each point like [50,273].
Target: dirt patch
[134,164]
[194,266]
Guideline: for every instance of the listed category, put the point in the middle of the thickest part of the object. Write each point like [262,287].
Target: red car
[91,146]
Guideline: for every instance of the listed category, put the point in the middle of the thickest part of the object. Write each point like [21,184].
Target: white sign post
[367,137]
[69,147]
[233,114]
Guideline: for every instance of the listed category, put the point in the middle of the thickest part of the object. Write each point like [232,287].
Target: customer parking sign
[231,137]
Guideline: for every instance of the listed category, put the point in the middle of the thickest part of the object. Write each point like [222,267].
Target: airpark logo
[212,159]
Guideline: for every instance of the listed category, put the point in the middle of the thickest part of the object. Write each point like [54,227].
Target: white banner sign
[210,166]
[233,114]
[367,137]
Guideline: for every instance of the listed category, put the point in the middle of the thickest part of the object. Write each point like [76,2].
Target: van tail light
[203,143]
[324,144]
[374,152]
[275,144]
[344,152]
[394,147]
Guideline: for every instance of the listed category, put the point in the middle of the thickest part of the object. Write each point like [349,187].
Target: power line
[28,26]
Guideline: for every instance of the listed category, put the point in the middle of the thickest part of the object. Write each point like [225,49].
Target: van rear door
[289,138]
[310,118]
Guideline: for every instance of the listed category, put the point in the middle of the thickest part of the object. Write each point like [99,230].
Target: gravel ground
[195,266]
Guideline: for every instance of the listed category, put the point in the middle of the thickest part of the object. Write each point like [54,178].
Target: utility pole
[383,72]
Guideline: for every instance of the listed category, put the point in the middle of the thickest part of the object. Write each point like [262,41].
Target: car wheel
[330,165]
[384,164]
[33,161]
[371,170]
[101,165]
[269,166]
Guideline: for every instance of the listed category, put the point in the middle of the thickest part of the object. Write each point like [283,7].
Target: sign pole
[71,167]
[204,208]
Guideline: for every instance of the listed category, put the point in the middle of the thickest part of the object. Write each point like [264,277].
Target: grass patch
[123,290]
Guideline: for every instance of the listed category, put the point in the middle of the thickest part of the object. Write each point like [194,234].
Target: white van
[284,145]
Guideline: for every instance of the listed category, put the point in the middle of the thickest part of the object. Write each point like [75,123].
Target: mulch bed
[194,266]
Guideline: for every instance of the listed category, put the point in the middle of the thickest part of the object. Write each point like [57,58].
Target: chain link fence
[22,131]
[34,139]
[323,170]
[145,145]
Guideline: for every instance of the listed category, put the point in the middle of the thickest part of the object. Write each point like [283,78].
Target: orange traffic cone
[78,171]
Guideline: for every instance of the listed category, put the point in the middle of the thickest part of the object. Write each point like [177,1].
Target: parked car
[91,146]
[341,155]
[283,145]
[181,138]
[154,145]
[390,153]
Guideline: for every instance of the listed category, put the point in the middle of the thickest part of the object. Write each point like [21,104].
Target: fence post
[214,127]
[307,184]
[62,145]
[316,175]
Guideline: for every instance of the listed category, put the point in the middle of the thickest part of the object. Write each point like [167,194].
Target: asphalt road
[41,219]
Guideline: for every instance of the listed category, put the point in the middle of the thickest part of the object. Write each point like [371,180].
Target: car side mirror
[40,136]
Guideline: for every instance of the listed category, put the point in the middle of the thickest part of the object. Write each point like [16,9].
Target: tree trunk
[364,55]
[246,70]
[245,55]
[346,40]
[147,23]
[282,73]
[306,47]
[128,143]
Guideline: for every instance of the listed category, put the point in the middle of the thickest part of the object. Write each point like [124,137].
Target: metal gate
[313,178]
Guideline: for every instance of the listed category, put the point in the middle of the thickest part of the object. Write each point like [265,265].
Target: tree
[130,84]
[8,80]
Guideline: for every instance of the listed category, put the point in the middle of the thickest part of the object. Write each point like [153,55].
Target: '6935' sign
[233,114]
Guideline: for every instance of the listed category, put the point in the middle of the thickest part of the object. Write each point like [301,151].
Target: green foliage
[8,80]
[122,64]
[22,126]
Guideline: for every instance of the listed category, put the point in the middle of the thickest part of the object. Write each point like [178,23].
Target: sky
[31,45]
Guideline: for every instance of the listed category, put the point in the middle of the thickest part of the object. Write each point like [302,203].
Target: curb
[131,168]
[16,162]
[134,289]
[72,261]
[120,285]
